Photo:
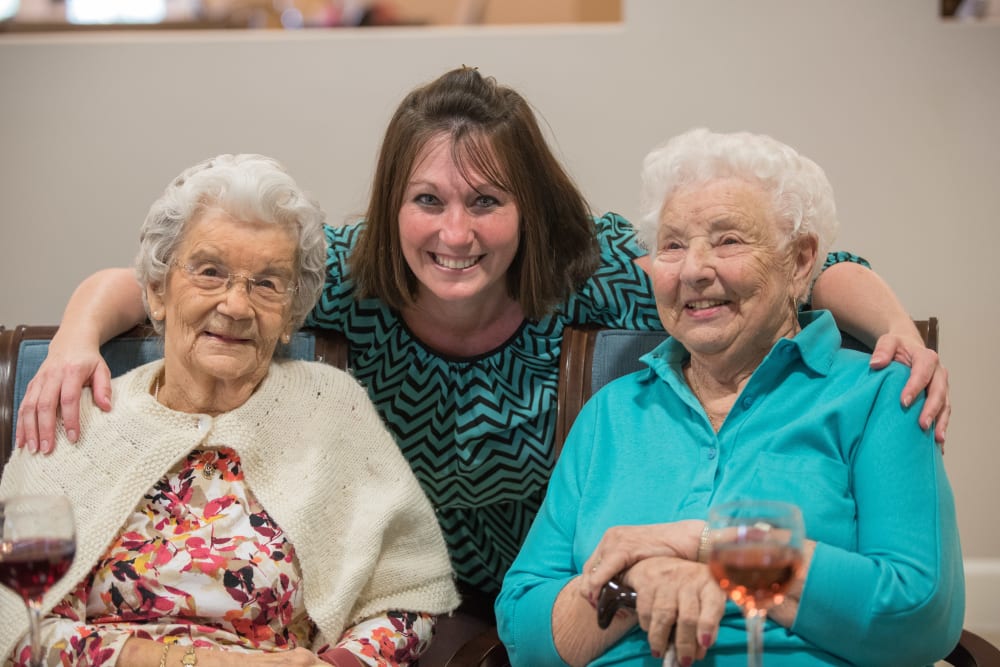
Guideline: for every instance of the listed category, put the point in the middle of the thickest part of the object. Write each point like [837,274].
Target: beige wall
[899,107]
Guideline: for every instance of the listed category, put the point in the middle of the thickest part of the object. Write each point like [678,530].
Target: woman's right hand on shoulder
[103,305]
[55,390]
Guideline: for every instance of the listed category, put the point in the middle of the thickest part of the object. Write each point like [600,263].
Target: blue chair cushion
[617,352]
[122,354]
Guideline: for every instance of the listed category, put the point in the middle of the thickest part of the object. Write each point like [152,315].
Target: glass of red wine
[37,545]
[755,552]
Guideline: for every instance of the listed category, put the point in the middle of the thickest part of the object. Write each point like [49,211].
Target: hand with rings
[623,546]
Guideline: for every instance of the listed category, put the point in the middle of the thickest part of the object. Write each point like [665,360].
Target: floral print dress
[199,561]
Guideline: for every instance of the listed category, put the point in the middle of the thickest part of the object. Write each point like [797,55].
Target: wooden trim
[928,331]
[574,379]
[973,651]
[331,347]
[484,650]
[8,350]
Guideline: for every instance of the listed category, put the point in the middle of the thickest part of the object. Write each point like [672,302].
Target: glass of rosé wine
[37,545]
[755,550]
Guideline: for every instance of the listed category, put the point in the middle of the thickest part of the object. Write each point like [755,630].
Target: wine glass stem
[35,623]
[755,637]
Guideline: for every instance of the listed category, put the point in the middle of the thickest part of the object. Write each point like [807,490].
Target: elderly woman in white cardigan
[234,509]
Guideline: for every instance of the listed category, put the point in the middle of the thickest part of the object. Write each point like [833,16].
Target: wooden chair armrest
[973,651]
[484,650]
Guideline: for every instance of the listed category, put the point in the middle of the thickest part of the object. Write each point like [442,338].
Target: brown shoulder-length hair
[494,134]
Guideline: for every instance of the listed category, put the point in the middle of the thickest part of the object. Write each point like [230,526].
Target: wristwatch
[189,659]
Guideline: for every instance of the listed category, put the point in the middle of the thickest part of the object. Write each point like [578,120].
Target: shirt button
[747,402]
[204,424]
[711,453]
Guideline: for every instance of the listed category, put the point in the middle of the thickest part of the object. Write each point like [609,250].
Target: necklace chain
[714,418]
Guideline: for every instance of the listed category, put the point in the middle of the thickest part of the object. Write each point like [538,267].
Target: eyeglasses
[210,279]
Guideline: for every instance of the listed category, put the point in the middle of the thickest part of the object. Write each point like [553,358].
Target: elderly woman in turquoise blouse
[749,399]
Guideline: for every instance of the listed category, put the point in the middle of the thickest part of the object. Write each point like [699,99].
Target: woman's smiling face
[724,281]
[459,237]
[226,338]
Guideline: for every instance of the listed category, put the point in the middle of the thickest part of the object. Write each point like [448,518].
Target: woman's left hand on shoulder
[926,372]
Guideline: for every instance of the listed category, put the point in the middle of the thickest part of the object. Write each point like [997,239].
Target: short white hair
[802,197]
[248,187]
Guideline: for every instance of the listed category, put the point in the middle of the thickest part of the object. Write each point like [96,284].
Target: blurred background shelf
[89,15]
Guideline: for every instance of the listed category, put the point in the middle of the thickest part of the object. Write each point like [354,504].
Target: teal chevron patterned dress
[478,431]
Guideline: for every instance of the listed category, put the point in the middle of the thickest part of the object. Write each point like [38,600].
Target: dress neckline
[453,358]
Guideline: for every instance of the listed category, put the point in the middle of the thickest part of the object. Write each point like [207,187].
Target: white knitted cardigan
[315,453]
